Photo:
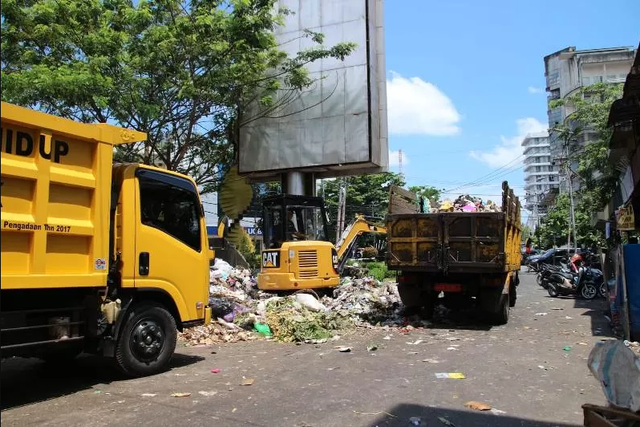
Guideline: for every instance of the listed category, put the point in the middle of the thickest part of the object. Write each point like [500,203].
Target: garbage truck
[111,259]
[455,258]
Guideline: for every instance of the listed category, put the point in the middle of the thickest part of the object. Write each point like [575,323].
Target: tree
[591,106]
[426,191]
[366,194]
[555,225]
[183,72]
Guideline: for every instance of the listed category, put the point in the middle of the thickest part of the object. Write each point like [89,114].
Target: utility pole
[342,202]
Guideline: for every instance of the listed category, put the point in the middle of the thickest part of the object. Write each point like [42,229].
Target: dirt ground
[532,372]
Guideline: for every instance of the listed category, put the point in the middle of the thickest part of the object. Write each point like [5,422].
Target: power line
[493,174]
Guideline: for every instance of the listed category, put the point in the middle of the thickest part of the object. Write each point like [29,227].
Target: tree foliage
[589,113]
[426,191]
[184,72]
[366,194]
[555,227]
[589,108]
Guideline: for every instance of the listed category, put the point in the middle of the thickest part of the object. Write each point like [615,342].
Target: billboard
[338,126]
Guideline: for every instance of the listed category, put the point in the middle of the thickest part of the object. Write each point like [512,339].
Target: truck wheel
[502,316]
[513,295]
[147,341]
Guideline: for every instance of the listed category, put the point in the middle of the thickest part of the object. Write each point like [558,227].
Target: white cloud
[510,150]
[533,89]
[417,107]
[394,158]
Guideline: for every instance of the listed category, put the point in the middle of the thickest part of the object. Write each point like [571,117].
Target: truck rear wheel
[147,341]
[496,305]
[502,316]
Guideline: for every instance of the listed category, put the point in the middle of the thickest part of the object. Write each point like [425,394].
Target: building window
[586,81]
[552,178]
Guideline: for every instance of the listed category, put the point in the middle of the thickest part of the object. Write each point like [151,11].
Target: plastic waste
[310,302]
[263,328]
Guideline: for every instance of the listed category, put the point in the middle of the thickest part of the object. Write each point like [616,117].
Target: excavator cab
[289,218]
[297,253]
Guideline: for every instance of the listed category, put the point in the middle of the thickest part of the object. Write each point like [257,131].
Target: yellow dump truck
[96,257]
[455,258]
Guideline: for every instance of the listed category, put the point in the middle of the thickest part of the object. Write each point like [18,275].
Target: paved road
[521,369]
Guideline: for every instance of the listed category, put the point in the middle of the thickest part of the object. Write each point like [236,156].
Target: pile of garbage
[465,203]
[241,312]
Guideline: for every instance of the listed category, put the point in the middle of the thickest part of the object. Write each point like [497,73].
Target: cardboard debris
[478,406]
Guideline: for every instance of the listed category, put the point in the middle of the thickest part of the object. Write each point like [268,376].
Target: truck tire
[502,316]
[495,305]
[147,341]
[513,295]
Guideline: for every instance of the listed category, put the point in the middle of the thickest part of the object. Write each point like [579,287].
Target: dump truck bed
[56,191]
[453,242]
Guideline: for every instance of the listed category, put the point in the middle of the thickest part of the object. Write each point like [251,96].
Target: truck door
[171,245]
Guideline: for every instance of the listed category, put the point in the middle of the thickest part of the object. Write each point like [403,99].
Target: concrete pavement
[522,370]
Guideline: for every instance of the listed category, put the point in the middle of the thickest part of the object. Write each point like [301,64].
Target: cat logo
[271,259]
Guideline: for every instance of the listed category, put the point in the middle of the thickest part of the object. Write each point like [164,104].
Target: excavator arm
[351,234]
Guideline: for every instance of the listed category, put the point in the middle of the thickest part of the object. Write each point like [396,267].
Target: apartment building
[567,71]
[540,174]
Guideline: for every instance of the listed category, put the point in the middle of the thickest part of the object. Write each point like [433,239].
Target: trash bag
[618,370]
[220,307]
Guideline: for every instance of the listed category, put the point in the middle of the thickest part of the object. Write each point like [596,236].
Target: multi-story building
[568,70]
[540,174]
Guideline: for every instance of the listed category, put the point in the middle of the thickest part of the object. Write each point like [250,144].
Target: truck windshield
[171,205]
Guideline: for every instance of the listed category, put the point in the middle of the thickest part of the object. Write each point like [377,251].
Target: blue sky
[468,76]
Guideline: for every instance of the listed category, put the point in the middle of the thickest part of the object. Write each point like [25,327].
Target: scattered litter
[582,343]
[452,348]
[388,337]
[207,393]
[477,406]
[416,421]
[416,342]
[310,302]
[450,375]
[97,391]
[372,347]
[446,422]
[540,314]
[262,329]
[247,381]
[215,371]
[343,349]
[567,348]
[412,353]
[431,361]
[542,367]
[180,394]
[453,339]
[557,308]
[148,394]
[234,409]
[497,411]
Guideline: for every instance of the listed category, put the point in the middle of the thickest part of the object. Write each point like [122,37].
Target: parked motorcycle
[567,283]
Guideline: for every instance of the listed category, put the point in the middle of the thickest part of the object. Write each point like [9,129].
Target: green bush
[379,271]
[369,252]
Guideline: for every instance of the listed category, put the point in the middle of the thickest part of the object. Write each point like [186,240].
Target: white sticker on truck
[100,264]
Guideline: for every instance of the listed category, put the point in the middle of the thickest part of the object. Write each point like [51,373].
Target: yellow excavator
[297,253]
